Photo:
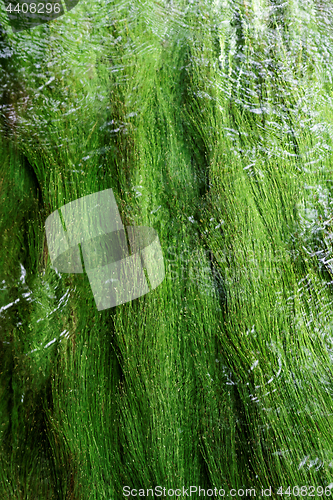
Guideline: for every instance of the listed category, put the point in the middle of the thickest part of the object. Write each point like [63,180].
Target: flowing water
[211,121]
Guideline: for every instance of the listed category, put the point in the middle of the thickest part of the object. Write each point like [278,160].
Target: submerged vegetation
[212,122]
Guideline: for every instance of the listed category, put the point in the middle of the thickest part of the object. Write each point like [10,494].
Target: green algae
[211,123]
